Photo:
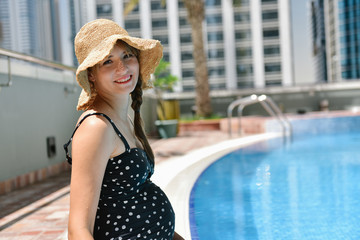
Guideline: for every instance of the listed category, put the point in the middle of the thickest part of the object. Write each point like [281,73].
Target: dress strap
[127,146]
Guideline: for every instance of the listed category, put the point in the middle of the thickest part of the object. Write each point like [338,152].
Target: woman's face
[118,73]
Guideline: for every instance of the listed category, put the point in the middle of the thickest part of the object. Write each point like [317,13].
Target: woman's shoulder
[92,122]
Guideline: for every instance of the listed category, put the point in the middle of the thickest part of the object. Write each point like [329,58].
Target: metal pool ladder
[267,103]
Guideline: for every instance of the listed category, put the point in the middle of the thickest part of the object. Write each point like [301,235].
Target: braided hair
[136,97]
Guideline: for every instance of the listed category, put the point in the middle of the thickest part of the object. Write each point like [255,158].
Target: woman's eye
[128,55]
[107,62]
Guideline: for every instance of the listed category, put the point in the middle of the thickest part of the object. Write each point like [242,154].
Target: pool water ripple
[309,189]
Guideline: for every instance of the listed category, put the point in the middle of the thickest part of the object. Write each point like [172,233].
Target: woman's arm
[92,146]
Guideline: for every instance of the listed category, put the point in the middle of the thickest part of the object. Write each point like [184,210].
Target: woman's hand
[177,237]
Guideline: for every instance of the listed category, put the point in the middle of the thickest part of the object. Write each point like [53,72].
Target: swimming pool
[309,189]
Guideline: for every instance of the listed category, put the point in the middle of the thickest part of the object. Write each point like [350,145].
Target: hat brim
[151,52]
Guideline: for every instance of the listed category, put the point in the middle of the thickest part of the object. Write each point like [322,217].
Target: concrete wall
[31,110]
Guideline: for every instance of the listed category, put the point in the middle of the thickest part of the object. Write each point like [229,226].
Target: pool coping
[177,175]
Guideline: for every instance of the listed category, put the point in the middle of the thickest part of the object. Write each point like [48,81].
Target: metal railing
[267,103]
[20,56]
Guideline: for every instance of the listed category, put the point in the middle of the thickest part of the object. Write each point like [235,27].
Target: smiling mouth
[124,80]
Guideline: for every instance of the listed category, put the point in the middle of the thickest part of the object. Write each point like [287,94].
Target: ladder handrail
[267,103]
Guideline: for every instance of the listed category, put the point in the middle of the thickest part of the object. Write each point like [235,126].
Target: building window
[159,23]
[271,50]
[248,83]
[215,36]
[132,24]
[166,56]
[217,86]
[268,1]
[215,72]
[104,9]
[185,38]
[214,20]
[242,17]
[210,3]
[243,35]
[188,73]
[244,70]
[157,6]
[183,21]
[270,15]
[271,33]
[242,52]
[186,56]
[215,53]
[272,67]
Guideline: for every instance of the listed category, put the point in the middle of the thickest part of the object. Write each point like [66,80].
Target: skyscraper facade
[342,35]
[349,33]
[318,40]
[248,44]
[38,28]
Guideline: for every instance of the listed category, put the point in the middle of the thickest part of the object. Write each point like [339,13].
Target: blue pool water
[309,189]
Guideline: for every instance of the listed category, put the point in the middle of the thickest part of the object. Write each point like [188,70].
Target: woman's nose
[121,66]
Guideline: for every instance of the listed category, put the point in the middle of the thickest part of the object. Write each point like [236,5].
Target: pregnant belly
[148,213]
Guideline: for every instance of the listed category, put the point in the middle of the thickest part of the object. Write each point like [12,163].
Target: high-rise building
[38,28]
[247,44]
[342,35]
[15,25]
[318,40]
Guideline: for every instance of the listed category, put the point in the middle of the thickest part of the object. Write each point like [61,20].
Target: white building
[248,45]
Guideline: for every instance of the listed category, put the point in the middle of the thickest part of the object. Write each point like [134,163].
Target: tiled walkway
[41,211]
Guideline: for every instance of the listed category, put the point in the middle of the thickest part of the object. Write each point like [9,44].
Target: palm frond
[130,6]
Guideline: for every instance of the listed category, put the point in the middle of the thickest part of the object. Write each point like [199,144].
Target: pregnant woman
[112,196]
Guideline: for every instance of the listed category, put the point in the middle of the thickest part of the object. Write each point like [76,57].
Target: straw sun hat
[94,42]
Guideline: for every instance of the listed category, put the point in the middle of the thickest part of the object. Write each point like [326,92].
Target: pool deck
[40,211]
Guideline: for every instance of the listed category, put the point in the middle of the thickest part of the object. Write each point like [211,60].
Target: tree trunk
[196,12]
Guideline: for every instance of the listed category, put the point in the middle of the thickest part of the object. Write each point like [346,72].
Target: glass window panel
[158,23]
[210,3]
[270,15]
[104,9]
[215,36]
[271,33]
[214,20]
[132,24]
[272,67]
[271,50]
[242,35]
[186,56]
[269,1]
[242,52]
[244,70]
[185,38]
[188,73]
[220,71]
[242,17]
[215,53]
